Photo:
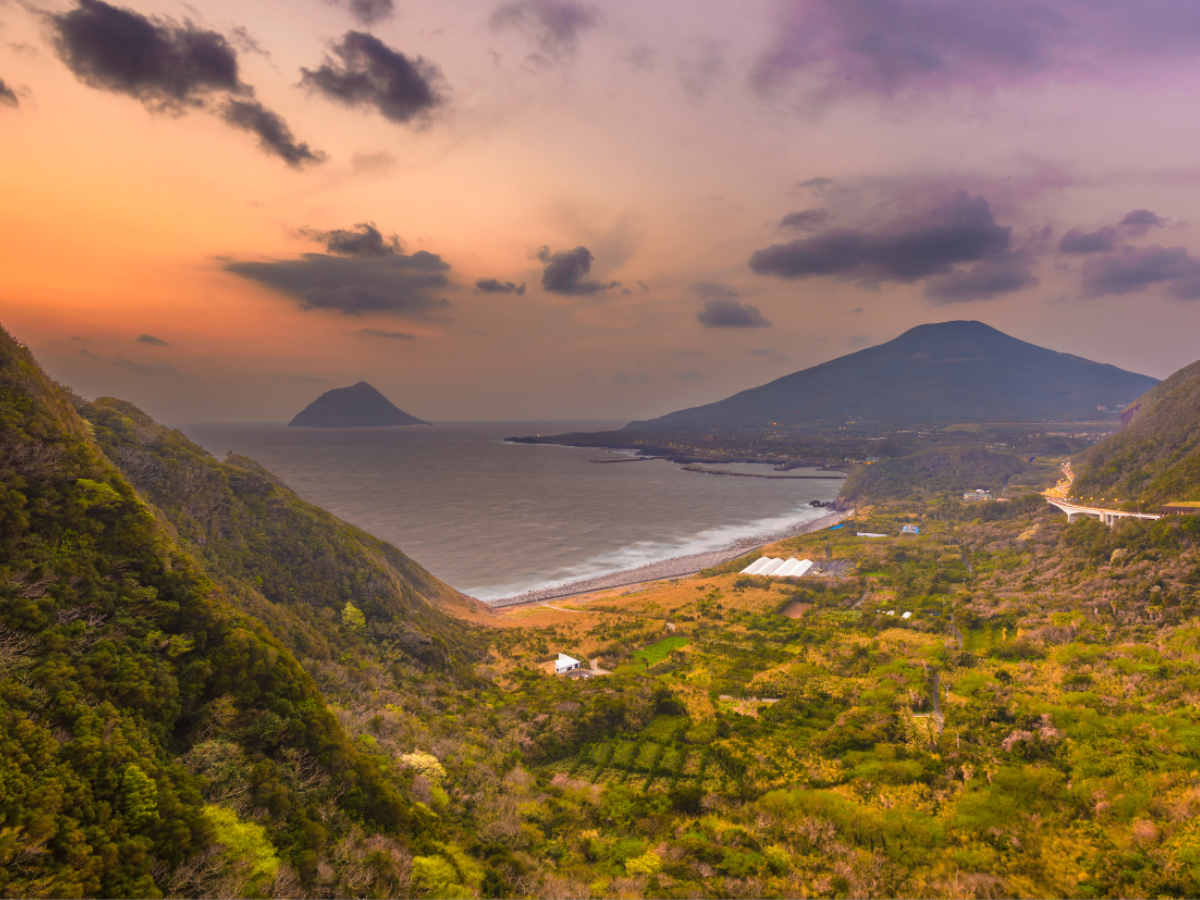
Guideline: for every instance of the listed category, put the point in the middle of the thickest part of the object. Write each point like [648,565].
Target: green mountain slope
[291,564]
[131,684]
[939,373]
[1155,457]
[937,470]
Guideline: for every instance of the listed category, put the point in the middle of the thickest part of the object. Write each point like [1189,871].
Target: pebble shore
[675,567]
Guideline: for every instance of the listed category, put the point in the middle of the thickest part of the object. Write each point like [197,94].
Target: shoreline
[673,567]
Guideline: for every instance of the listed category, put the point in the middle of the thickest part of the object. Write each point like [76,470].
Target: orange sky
[669,139]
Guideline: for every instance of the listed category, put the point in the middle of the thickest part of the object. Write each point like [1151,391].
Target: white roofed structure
[565,664]
[787,568]
[769,568]
[757,566]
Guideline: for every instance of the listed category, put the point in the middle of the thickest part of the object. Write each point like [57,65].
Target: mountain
[949,372]
[1155,457]
[357,406]
[291,564]
[156,738]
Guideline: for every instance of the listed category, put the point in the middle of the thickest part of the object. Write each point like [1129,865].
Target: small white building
[565,664]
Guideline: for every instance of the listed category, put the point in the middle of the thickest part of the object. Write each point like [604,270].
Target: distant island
[357,406]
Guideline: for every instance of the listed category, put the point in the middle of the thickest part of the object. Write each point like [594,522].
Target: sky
[555,209]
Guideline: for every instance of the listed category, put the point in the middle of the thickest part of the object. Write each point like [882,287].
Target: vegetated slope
[938,470]
[292,564]
[357,406]
[126,674]
[1155,457]
[940,373]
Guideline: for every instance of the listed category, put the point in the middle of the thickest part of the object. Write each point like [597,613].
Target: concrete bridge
[1109,517]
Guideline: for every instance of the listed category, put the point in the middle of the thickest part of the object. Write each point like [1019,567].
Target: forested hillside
[1155,458]
[126,675]
[291,564]
[939,470]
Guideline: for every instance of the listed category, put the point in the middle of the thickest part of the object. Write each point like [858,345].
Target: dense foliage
[934,471]
[119,659]
[1155,458]
[209,687]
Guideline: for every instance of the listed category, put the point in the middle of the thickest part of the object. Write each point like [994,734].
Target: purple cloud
[1078,242]
[805,220]
[837,48]
[731,314]
[1133,269]
[956,229]
[996,275]
[566,273]
[369,73]
[1140,221]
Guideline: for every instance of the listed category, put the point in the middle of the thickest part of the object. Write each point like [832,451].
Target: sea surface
[495,519]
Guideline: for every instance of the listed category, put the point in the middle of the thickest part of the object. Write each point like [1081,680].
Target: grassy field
[656,653]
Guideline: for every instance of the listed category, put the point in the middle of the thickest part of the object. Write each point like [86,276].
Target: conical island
[357,406]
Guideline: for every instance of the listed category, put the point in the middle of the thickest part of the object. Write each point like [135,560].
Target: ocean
[494,519]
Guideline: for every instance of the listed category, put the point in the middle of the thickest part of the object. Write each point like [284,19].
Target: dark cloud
[730,314]
[1140,221]
[495,286]
[368,73]
[805,220]
[152,340]
[645,287]
[364,240]
[857,311]
[566,272]
[8,96]
[859,340]
[957,229]
[167,66]
[170,68]
[837,48]
[554,26]
[274,136]
[689,375]
[1079,242]
[393,335]
[623,378]
[369,12]
[352,281]
[1133,269]
[88,354]
[995,275]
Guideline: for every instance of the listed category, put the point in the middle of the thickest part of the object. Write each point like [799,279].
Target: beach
[675,567]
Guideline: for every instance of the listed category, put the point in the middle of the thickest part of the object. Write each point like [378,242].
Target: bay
[494,519]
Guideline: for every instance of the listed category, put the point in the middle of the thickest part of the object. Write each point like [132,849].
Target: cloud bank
[495,286]
[170,68]
[363,72]
[831,49]
[566,273]
[361,273]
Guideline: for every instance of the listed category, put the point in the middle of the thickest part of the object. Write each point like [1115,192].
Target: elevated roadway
[1059,497]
